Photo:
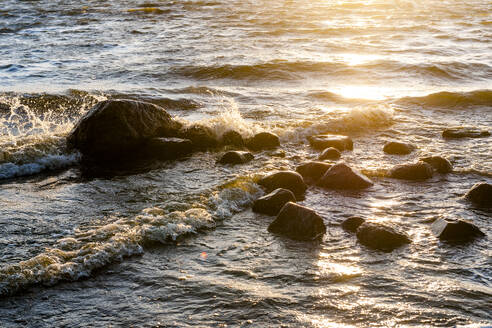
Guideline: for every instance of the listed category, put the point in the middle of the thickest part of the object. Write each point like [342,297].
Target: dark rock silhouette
[352,223]
[263,140]
[312,171]
[398,148]
[455,230]
[439,164]
[236,157]
[381,237]
[330,153]
[412,171]
[480,194]
[272,203]
[290,180]
[464,132]
[298,222]
[342,176]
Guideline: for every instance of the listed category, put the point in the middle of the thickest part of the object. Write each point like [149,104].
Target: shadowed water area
[177,245]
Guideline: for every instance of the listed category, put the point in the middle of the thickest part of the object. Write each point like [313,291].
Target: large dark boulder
[342,176]
[480,194]
[272,203]
[119,128]
[381,237]
[167,148]
[330,154]
[398,148]
[263,140]
[236,157]
[464,132]
[412,171]
[439,164]
[298,222]
[232,138]
[455,230]
[290,180]
[312,171]
[201,136]
[352,223]
[323,141]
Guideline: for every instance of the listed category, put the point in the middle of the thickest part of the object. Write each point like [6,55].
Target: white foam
[77,256]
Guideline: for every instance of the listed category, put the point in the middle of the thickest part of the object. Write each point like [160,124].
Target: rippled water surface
[177,245]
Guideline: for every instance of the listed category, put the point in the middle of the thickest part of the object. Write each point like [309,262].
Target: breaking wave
[452,99]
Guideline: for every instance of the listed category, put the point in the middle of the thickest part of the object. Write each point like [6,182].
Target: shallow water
[178,245]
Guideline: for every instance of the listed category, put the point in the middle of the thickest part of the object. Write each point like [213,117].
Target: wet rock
[285,179]
[119,128]
[272,203]
[201,136]
[352,223]
[323,141]
[440,164]
[168,148]
[342,176]
[263,140]
[381,237]
[412,171]
[398,148]
[312,171]
[480,194]
[464,132]
[330,154]
[455,230]
[232,138]
[236,157]
[298,222]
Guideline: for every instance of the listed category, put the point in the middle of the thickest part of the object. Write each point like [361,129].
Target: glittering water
[177,245]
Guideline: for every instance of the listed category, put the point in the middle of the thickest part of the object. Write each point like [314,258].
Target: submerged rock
[440,164]
[398,148]
[236,157]
[312,171]
[342,176]
[290,180]
[330,154]
[119,128]
[412,171]
[464,132]
[480,194]
[298,222]
[263,140]
[323,141]
[232,138]
[455,230]
[272,203]
[168,148]
[352,223]
[201,136]
[381,237]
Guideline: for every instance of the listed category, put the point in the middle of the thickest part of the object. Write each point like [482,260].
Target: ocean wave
[292,70]
[359,119]
[77,256]
[452,99]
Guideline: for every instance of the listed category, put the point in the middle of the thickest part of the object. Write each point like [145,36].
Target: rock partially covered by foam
[298,222]
[480,194]
[412,171]
[439,164]
[236,157]
[381,236]
[323,141]
[232,138]
[168,148]
[290,180]
[201,136]
[312,171]
[455,230]
[272,203]
[398,148]
[119,128]
[263,140]
[342,176]
[330,154]
[464,132]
